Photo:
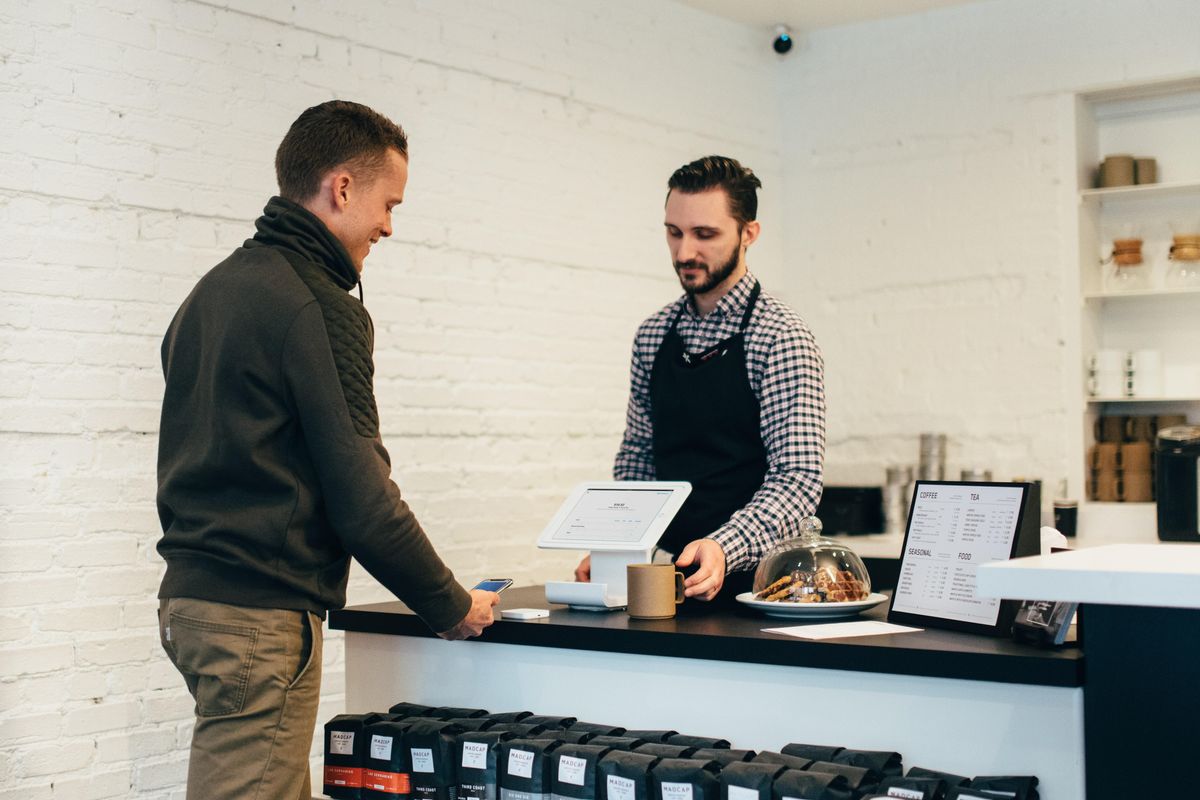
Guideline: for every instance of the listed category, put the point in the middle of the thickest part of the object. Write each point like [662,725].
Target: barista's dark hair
[334,134]
[711,172]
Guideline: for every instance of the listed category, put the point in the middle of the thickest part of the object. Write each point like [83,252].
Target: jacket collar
[291,226]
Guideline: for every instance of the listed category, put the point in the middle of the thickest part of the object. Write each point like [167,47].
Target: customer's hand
[583,572]
[478,618]
[709,577]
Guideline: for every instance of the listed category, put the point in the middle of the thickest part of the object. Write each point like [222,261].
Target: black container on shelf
[1177,471]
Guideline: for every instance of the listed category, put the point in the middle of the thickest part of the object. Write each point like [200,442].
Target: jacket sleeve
[362,502]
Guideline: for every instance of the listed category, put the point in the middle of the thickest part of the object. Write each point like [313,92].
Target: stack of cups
[1108,373]
[1137,485]
[931,466]
[897,496]
[1145,375]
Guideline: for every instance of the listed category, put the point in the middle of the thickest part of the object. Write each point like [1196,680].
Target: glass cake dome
[811,569]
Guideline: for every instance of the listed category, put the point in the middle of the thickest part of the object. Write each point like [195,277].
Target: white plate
[791,610]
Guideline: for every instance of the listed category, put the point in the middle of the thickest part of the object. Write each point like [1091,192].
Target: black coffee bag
[518,729]
[550,722]
[450,712]
[623,775]
[345,749]
[386,768]
[861,780]
[724,757]
[685,779]
[813,752]
[664,750]
[597,728]
[573,771]
[525,768]
[410,710]
[698,741]
[473,723]
[884,762]
[431,752]
[795,785]
[771,757]
[510,716]
[950,778]
[743,780]
[564,735]
[476,758]
[626,743]
[651,735]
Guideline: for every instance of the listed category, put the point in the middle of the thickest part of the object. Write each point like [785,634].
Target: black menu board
[953,528]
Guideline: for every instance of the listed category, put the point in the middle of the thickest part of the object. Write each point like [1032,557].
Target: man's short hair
[711,172]
[334,134]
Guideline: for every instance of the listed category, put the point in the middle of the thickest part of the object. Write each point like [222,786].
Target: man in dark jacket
[271,470]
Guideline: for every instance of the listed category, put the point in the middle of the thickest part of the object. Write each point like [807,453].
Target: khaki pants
[256,676]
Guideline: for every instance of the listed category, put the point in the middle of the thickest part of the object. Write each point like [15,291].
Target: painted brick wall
[927,180]
[136,147]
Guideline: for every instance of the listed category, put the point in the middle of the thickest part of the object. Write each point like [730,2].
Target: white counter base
[967,727]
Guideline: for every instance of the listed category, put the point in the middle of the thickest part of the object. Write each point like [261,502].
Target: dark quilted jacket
[271,471]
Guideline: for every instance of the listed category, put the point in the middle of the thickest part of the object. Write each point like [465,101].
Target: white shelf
[1142,192]
[1094,400]
[1162,575]
[1141,293]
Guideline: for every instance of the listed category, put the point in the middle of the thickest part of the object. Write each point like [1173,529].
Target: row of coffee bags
[419,752]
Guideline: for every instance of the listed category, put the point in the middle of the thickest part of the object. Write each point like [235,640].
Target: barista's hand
[583,573]
[709,576]
[478,618]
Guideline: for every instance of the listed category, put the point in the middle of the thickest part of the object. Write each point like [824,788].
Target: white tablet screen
[954,529]
[612,515]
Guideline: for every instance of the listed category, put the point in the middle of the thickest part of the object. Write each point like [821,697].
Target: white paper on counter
[842,630]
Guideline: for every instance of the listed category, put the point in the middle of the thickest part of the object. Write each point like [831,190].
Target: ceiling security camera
[783,39]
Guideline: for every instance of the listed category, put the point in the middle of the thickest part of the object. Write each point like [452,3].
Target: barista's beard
[712,278]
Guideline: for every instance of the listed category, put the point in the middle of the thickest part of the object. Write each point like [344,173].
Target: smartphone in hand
[493,584]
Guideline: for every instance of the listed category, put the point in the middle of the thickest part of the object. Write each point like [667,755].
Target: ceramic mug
[654,590]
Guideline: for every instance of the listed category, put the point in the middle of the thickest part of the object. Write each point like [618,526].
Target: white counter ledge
[1151,575]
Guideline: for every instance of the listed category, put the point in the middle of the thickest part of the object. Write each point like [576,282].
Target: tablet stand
[608,589]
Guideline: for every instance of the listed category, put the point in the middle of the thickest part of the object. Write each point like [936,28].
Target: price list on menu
[954,529]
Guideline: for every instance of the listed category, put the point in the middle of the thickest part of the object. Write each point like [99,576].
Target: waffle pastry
[827,586]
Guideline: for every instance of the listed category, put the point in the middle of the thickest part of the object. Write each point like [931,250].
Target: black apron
[706,431]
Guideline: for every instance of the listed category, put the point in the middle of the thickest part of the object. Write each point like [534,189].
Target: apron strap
[754,293]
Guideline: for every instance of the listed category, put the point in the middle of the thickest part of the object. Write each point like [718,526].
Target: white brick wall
[925,166]
[136,147]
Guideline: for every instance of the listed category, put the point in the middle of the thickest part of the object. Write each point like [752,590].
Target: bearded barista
[726,391]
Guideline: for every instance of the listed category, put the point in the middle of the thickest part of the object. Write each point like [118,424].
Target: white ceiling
[807,15]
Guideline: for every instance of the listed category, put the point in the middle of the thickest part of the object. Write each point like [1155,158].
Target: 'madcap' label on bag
[341,743]
[906,794]
[422,759]
[520,763]
[620,788]
[474,755]
[742,793]
[381,747]
[572,770]
[676,791]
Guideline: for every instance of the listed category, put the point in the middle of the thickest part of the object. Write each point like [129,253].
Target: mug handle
[678,588]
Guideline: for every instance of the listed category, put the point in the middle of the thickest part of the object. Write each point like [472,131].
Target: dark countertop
[736,635]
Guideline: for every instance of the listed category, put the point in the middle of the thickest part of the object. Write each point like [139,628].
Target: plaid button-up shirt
[786,375]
